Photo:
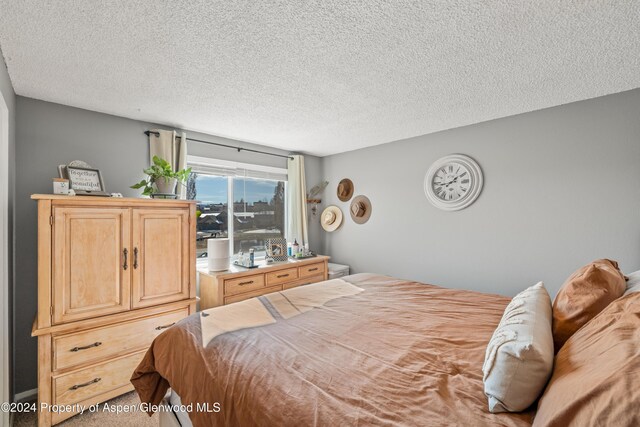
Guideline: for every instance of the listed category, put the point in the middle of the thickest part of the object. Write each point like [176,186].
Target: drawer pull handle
[125,252]
[135,258]
[93,381]
[245,283]
[313,269]
[280,276]
[86,347]
[159,328]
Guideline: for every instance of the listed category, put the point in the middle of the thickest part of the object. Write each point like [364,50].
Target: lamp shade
[218,254]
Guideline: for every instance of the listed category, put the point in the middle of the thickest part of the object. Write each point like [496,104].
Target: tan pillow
[586,293]
[597,372]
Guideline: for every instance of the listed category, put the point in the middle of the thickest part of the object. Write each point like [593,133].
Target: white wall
[562,187]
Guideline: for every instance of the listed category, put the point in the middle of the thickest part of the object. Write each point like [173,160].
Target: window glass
[258,211]
[212,209]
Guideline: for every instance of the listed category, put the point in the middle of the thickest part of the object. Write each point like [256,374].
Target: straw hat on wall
[345,190]
[360,209]
[331,218]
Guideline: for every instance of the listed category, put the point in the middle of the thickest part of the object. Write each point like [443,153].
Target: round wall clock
[453,182]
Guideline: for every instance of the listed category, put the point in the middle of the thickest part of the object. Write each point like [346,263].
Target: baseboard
[26,396]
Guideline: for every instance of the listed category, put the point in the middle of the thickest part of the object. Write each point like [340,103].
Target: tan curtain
[173,148]
[296,201]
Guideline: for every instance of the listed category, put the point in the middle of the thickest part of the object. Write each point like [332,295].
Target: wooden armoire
[113,273]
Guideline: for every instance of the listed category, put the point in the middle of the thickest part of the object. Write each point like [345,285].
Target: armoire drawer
[96,344]
[94,380]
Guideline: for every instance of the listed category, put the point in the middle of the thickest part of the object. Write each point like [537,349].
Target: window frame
[232,170]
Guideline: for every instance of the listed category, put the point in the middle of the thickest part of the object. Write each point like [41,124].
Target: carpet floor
[100,418]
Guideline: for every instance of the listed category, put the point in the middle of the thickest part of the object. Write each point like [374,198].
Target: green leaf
[162,163]
[160,169]
[139,185]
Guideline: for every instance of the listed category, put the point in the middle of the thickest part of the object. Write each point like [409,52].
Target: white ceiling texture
[320,77]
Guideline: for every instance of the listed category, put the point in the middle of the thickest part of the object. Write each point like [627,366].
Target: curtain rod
[148,132]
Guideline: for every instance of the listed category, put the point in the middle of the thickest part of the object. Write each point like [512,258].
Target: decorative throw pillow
[597,372]
[586,293]
[519,357]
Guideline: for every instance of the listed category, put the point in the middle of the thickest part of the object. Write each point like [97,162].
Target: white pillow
[519,357]
[633,284]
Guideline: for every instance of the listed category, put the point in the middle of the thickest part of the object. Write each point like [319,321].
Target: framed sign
[86,181]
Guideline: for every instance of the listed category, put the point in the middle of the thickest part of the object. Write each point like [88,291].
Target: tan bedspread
[369,351]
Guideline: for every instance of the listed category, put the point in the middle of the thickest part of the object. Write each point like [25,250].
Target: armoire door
[160,256]
[91,275]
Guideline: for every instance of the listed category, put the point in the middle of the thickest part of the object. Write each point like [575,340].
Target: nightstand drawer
[256,293]
[243,284]
[282,276]
[96,344]
[311,270]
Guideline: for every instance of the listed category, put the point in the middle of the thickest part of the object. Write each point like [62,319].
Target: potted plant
[161,179]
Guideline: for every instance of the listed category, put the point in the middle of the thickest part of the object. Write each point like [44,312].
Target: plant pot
[166,185]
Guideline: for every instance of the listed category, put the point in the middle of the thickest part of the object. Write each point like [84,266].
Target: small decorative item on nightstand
[277,248]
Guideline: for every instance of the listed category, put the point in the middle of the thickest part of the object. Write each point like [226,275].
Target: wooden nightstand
[237,284]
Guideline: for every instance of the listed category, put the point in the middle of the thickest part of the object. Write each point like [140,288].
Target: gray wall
[562,187]
[10,99]
[51,134]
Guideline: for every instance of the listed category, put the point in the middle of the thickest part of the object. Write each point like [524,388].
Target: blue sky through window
[213,189]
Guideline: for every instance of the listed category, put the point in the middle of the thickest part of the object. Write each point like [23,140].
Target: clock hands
[451,182]
[454,180]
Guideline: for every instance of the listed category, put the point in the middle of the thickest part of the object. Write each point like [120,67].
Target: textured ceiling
[320,77]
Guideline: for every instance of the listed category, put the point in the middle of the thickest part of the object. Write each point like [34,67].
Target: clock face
[453,182]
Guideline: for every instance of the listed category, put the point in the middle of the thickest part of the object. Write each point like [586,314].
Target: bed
[373,350]
[366,350]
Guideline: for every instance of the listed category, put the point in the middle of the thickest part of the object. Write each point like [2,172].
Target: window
[253,196]
[258,211]
[212,208]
